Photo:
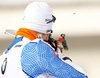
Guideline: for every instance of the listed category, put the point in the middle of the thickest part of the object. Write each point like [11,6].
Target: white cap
[37,17]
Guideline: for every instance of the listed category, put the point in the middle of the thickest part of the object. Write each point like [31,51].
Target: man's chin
[46,40]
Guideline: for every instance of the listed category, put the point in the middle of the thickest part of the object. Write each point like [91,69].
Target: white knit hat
[38,17]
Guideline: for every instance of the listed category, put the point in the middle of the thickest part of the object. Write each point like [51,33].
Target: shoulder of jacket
[41,40]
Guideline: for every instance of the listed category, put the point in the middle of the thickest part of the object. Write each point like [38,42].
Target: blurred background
[79,20]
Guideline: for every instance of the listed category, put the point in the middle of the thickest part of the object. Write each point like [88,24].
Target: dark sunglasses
[53,19]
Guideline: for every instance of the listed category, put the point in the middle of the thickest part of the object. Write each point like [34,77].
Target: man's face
[45,37]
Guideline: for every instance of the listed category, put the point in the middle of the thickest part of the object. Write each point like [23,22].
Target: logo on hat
[48,20]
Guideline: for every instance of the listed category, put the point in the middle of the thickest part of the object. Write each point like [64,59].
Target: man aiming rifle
[31,55]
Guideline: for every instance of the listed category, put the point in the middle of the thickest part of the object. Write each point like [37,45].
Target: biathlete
[31,55]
